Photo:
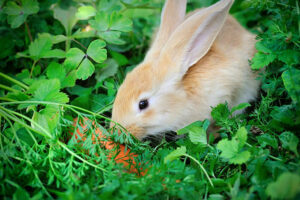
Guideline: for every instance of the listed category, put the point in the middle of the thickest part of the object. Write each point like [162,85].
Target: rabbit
[194,64]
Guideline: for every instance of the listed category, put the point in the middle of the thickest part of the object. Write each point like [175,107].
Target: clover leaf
[77,59]
[110,26]
[17,14]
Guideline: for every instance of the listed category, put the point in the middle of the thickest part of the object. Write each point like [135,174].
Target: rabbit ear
[194,37]
[172,16]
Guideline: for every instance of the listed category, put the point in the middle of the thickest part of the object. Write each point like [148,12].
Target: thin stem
[33,138]
[6,111]
[14,81]
[79,43]
[8,88]
[270,156]
[201,166]
[25,155]
[28,31]
[32,67]
[64,105]
[78,157]
[6,99]
[12,183]
[6,116]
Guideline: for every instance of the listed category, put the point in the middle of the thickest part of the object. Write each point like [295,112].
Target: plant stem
[203,169]
[32,67]
[6,99]
[64,105]
[7,112]
[78,157]
[79,43]
[14,81]
[28,31]
[8,88]
[270,156]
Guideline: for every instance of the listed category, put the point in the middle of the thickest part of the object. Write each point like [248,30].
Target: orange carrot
[120,156]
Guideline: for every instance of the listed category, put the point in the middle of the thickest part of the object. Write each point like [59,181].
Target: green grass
[43,88]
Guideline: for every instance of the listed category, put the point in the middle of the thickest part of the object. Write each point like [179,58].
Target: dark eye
[143,104]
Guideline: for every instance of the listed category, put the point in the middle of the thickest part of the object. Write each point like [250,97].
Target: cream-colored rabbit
[193,64]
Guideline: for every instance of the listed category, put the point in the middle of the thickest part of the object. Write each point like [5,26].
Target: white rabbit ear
[194,37]
[172,16]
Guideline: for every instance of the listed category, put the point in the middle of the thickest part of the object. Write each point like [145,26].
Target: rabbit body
[193,65]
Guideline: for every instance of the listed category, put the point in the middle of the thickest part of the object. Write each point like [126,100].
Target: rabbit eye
[143,104]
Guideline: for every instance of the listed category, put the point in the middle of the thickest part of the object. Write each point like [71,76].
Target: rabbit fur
[194,64]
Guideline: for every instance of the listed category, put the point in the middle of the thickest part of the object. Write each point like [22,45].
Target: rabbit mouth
[169,136]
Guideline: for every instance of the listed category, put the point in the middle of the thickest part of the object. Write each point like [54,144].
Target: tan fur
[177,99]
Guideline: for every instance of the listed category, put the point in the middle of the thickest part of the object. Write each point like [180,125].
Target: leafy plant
[62,63]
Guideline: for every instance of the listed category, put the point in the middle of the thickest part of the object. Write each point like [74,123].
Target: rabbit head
[152,98]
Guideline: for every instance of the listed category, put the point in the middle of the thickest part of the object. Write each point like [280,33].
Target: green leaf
[83,101]
[16,20]
[48,90]
[30,6]
[120,23]
[39,47]
[198,135]
[17,15]
[289,141]
[189,127]
[21,194]
[79,90]
[96,51]
[241,106]
[287,186]
[120,58]
[54,38]
[232,149]
[85,12]
[289,57]
[261,60]
[267,139]
[12,8]
[73,58]
[241,136]
[229,148]
[196,132]
[264,56]
[101,22]
[110,69]
[112,37]
[180,151]
[47,118]
[66,17]
[291,82]
[25,136]
[84,34]
[110,26]
[70,79]
[221,112]
[85,69]
[262,48]
[109,5]
[56,70]
[283,114]
[240,158]
[55,53]
[100,101]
